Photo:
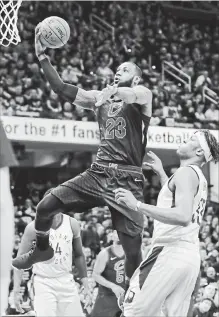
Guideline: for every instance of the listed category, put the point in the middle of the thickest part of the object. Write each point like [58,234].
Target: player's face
[205,305]
[189,149]
[124,75]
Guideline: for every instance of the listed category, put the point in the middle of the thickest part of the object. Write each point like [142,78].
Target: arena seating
[179,59]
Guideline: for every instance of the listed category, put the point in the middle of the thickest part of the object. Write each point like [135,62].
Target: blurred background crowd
[105,34]
[28,187]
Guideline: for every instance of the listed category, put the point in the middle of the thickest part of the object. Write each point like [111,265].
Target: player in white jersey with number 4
[165,280]
[54,288]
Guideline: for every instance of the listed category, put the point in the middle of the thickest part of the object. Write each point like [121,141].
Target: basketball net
[8,22]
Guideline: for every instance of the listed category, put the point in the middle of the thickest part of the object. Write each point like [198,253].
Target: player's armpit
[186,184]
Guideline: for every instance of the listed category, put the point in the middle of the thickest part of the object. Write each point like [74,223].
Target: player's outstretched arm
[78,96]
[137,94]
[186,184]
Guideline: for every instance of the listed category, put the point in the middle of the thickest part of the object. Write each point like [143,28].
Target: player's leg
[45,302]
[69,303]
[80,194]
[178,303]
[194,294]
[132,249]
[105,305]
[70,309]
[47,208]
[75,194]
[170,270]
[127,222]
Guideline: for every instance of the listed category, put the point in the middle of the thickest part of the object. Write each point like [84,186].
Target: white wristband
[138,205]
[42,57]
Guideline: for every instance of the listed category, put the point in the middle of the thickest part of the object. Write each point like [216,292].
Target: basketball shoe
[35,255]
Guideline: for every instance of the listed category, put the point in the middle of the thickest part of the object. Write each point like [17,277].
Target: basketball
[55,32]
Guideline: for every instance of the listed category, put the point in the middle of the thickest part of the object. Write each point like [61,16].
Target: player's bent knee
[47,206]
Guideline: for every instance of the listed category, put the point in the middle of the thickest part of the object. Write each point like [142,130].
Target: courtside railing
[210,95]
[176,73]
[102,24]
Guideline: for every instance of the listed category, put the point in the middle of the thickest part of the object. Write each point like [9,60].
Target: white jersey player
[54,288]
[165,280]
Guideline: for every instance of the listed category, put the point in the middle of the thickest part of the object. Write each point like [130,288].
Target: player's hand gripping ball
[54,32]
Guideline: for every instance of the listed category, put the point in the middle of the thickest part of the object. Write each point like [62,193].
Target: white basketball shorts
[164,282]
[56,297]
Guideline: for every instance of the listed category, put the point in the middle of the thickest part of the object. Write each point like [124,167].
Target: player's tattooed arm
[78,96]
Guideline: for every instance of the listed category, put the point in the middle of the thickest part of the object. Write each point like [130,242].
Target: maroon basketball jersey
[123,133]
[114,271]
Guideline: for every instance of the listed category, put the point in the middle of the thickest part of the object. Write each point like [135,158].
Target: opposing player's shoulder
[104,255]
[186,174]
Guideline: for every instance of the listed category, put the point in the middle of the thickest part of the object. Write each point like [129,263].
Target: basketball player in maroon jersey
[109,273]
[123,113]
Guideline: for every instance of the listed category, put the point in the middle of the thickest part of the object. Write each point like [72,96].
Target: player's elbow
[185,218]
[184,222]
[58,87]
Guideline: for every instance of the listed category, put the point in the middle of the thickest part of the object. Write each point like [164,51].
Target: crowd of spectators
[144,33]
[96,229]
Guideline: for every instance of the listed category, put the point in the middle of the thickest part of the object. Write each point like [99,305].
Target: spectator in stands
[202,80]
[199,115]
[90,238]
[105,72]
[203,309]
[212,114]
[53,105]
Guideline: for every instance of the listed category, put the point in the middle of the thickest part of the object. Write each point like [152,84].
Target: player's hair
[137,70]
[212,143]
